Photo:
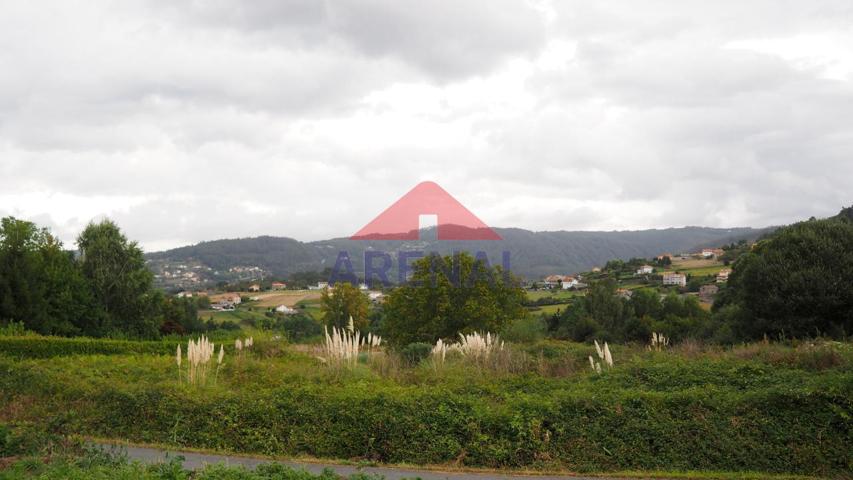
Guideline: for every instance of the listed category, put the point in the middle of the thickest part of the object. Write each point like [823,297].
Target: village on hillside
[254,295]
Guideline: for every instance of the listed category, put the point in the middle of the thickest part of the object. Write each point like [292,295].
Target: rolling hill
[532,254]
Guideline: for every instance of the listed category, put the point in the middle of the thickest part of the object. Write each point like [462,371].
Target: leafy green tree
[598,314]
[448,295]
[340,303]
[645,302]
[795,283]
[21,292]
[604,306]
[121,284]
[178,315]
[70,298]
[40,284]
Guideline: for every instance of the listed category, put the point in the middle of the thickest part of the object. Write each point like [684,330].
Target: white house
[285,310]
[723,275]
[566,281]
[645,269]
[672,278]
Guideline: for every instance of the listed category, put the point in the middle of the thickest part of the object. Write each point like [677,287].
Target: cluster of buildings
[563,281]
[226,302]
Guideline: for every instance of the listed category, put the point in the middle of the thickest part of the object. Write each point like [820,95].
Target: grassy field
[696,267]
[558,294]
[549,309]
[287,297]
[692,263]
[765,408]
[236,316]
[311,307]
[274,298]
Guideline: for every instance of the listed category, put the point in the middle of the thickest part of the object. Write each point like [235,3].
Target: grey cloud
[445,39]
[223,119]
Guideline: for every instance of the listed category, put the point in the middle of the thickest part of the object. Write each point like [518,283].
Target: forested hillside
[533,254]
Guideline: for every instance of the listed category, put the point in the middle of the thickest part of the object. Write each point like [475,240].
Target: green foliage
[46,347]
[107,291]
[448,295]
[525,330]
[299,327]
[343,302]
[14,329]
[122,285]
[602,314]
[414,353]
[29,450]
[795,283]
[179,315]
[765,408]
[40,284]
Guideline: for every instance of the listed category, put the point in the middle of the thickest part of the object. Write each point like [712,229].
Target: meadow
[762,407]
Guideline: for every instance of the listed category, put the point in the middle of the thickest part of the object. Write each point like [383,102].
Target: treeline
[794,283]
[602,314]
[102,289]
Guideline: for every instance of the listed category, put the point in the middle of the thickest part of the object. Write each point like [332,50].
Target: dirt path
[197,460]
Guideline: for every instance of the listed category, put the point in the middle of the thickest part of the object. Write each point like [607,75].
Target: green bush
[772,431]
[415,352]
[44,347]
[766,408]
[13,329]
[525,330]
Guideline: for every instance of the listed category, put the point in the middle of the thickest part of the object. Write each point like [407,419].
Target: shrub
[44,347]
[299,327]
[415,352]
[525,330]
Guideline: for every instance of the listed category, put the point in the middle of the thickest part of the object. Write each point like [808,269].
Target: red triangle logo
[401,221]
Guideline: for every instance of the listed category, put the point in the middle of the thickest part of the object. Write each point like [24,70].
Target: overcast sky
[306,118]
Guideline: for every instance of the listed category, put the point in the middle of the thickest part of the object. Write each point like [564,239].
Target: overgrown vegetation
[31,451]
[798,282]
[104,290]
[761,407]
[451,295]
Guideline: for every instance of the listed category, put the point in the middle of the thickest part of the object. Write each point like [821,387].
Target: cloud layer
[306,118]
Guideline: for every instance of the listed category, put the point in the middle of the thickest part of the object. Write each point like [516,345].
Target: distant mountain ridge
[532,254]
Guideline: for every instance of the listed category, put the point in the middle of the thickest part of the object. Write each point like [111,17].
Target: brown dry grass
[289,298]
[695,263]
[274,299]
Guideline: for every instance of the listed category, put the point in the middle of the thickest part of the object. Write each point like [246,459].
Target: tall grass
[659,342]
[342,347]
[199,354]
[603,354]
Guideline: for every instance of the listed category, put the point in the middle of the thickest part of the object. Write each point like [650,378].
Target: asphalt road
[198,460]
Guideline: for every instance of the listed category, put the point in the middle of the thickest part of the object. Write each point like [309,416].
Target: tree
[449,295]
[645,302]
[21,292]
[120,282]
[343,302]
[40,284]
[600,313]
[796,282]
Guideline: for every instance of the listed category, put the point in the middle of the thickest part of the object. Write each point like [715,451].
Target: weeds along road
[194,461]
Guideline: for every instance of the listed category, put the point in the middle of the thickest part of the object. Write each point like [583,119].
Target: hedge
[46,347]
[769,431]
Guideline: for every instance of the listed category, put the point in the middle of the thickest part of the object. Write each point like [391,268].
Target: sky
[207,119]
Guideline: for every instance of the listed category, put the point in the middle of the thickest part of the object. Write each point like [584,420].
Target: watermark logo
[425,208]
[403,219]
